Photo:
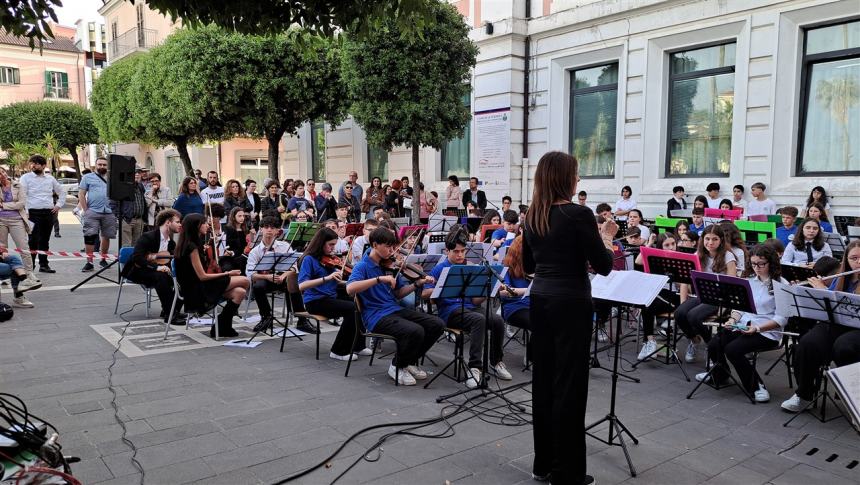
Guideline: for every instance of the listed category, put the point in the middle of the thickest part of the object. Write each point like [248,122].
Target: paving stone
[91,471]
[738,474]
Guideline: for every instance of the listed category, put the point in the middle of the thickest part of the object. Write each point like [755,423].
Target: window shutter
[65,80]
[47,79]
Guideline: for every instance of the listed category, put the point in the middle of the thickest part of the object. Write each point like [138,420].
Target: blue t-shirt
[311,269]
[697,229]
[784,234]
[97,196]
[511,305]
[378,300]
[826,226]
[447,305]
[299,203]
[501,233]
[850,286]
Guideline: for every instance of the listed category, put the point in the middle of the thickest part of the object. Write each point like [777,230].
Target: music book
[807,302]
[629,287]
[243,343]
[846,380]
[794,272]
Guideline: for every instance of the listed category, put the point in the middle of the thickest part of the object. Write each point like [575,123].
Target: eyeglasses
[349,187]
[760,264]
[854,259]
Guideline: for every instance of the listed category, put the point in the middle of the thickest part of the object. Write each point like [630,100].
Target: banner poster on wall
[493,151]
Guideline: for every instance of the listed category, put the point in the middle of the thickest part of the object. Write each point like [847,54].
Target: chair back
[125,254]
[292,281]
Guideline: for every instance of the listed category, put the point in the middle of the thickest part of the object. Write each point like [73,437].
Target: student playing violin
[320,274]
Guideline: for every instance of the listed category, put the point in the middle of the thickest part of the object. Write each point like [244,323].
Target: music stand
[677,267]
[353,229]
[477,252]
[437,223]
[622,229]
[723,292]
[300,233]
[417,229]
[831,307]
[622,288]
[426,261]
[837,245]
[793,272]
[277,263]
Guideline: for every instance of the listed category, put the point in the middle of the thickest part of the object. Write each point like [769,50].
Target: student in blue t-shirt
[786,232]
[698,224]
[298,202]
[319,285]
[378,292]
[466,314]
[504,235]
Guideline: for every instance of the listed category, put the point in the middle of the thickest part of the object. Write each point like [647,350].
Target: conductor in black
[561,240]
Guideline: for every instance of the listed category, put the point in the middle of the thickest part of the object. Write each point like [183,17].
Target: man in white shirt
[761,204]
[213,192]
[738,197]
[40,189]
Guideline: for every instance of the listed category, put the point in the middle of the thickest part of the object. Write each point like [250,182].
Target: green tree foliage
[69,125]
[290,79]
[407,90]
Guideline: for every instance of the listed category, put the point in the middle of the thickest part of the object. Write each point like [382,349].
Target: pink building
[55,73]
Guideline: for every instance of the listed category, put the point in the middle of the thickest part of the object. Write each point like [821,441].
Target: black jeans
[690,317]
[561,334]
[736,346]
[815,349]
[40,236]
[415,332]
[261,290]
[473,321]
[161,282]
[665,302]
[333,308]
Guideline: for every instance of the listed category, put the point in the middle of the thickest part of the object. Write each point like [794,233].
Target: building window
[377,163]
[56,85]
[701,101]
[254,169]
[10,75]
[593,113]
[830,109]
[318,151]
[455,153]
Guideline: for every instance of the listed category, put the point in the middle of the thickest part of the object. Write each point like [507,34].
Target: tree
[409,90]
[110,101]
[70,126]
[30,17]
[290,79]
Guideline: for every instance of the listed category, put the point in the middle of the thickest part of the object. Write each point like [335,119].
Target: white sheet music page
[847,381]
[630,287]
[440,283]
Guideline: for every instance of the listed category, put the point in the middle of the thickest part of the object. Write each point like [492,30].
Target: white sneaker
[403,378]
[648,349]
[416,372]
[474,379]
[761,395]
[22,302]
[501,372]
[690,356]
[365,352]
[704,377]
[794,404]
[344,358]
[28,284]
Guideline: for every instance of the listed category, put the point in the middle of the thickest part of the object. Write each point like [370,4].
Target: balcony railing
[131,41]
[56,92]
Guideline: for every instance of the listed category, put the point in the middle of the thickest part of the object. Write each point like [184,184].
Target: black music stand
[724,292]
[678,271]
[824,306]
[437,223]
[793,272]
[622,229]
[277,263]
[476,252]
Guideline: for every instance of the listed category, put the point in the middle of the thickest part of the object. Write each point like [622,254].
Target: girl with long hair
[726,205]
[700,201]
[808,245]
[816,211]
[201,291]
[319,286]
[560,241]
[234,196]
[491,218]
[826,341]
[735,244]
[691,314]
[374,197]
[189,201]
[453,195]
[666,301]
[817,196]
[515,306]
[755,332]
[237,233]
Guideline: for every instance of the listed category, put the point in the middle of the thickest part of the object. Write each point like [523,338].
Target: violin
[412,272]
[249,244]
[209,251]
[337,264]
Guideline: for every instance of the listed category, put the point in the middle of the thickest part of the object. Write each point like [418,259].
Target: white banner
[493,151]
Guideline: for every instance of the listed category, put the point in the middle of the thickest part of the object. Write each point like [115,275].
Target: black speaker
[121,172]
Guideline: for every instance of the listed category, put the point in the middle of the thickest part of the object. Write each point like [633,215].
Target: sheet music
[806,302]
[846,379]
[440,283]
[496,287]
[631,287]
[426,261]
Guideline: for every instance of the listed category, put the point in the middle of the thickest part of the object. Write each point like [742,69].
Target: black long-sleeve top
[561,258]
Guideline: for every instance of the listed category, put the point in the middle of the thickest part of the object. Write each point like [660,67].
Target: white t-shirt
[643,231]
[713,203]
[739,203]
[625,205]
[215,194]
[756,207]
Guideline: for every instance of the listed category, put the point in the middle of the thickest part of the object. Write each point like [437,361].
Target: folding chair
[124,258]
[360,331]
[461,368]
[214,311]
[293,289]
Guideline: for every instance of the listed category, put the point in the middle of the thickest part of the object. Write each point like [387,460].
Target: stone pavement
[235,416]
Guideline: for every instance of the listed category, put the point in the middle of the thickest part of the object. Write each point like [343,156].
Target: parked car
[70,185]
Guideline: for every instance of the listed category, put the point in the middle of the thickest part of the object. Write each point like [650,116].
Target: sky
[73,10]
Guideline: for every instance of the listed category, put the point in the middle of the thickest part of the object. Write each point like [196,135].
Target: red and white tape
[71,254]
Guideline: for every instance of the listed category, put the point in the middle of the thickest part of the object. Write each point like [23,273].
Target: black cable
[113,404]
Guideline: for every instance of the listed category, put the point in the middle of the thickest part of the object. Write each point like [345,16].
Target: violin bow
[411,250]
[215,241]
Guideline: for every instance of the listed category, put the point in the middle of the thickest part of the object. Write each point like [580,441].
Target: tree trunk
[274,140]
[74,151]
[182,147]
[416,184]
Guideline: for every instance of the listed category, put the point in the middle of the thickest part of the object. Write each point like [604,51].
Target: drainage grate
[836,458]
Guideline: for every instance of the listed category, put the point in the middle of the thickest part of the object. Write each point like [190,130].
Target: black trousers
[665,302]
[473,320]
[815,349]
[735,346]
[333,308]
[40,236]
[414,331]
[161,282]
[261,290]
[561,335]
[691,315]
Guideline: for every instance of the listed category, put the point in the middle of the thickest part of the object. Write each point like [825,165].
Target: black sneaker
[263,324]
[103,263]
[305,326]
[46,269]
[87,268]
[57,235]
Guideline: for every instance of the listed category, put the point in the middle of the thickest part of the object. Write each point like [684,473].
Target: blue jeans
[8,265]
